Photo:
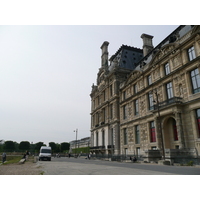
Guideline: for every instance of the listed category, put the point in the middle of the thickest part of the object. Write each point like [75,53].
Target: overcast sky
[47,73]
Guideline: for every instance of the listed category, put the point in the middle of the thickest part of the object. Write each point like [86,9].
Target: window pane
[152,132]
[137,135]
[167,69]
[198,113]
[195,78]
[150,101]
[169,90]
[136,107]
[191,53]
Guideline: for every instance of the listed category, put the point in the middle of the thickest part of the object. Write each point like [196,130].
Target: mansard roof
[171,38]
[125,47]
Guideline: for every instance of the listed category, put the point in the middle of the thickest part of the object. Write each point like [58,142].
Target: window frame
[169,90]
[149,79]
[167,68]
[195,80]
[125,111]
[137,134]
[191,53]
[150,99]
[198,121]
[136,107]
[135,89]
[125,136]
[152,132]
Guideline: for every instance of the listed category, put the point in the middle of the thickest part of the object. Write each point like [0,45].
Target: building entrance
[170,133]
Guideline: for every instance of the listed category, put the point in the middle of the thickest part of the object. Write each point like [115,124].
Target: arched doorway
[170,133]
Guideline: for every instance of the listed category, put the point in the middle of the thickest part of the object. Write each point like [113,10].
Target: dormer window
[149,80]
[167,69]
[191,53]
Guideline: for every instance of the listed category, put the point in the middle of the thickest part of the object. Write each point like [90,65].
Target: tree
[9,146]
[24,145]
[53,146]
[57,148]
[38,146]
[64,146]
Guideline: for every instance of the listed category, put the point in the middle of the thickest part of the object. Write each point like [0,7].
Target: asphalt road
[82,166]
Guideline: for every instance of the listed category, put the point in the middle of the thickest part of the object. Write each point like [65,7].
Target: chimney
[104,56]
[147,43]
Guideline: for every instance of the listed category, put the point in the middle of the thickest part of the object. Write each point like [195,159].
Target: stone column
[180,130]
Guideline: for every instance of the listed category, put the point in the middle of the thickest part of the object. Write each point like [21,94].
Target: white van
[45,153]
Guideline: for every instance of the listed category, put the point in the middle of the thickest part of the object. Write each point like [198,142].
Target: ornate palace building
[149,103]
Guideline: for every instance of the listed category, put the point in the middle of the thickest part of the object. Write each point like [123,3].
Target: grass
[12,159]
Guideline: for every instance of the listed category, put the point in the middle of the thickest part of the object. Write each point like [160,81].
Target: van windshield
[45,151]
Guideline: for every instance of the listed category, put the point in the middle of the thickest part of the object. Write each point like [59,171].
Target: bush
[190,163]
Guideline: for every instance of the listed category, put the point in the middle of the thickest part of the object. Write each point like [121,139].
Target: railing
[97,147]
[110,146]
[121,157]
[174,100]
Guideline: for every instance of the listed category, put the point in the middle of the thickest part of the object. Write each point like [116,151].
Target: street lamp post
[76,141]
[160,126]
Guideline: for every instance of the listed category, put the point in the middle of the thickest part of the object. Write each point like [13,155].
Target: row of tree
[11,146]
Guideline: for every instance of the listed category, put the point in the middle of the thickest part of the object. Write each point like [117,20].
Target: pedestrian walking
[3,157]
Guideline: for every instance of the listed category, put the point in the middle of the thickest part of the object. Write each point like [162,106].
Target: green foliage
[12,159]
[57,150]
[53,146]
[64,146]
[24,145]
[190,163]
[81,150]
[38,146]
[9,146]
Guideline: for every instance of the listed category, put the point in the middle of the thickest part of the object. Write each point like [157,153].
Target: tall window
[152,132]
[103,138]
[97,139]
[112,137]
[111,111]
[111,90]
[167,69]
[136,106]
[135,89]
[125,136]
[150,101]
[103,115]
[137,134]
[125,111]
[124,95]
[191,53]
[104,95]
[169,90]
[198,121]
[195,77]
[97,119]
[149,80]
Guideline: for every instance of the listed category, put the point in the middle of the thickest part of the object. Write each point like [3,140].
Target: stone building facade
[105,121]
[151,109]
[160,100]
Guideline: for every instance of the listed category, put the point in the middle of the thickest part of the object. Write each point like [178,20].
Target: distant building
[151,107]
[84,142]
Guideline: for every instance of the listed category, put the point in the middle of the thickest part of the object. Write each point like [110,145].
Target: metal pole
[76,141]
[160,126]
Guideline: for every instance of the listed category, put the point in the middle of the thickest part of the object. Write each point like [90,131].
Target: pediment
[165,50]
[133,76]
